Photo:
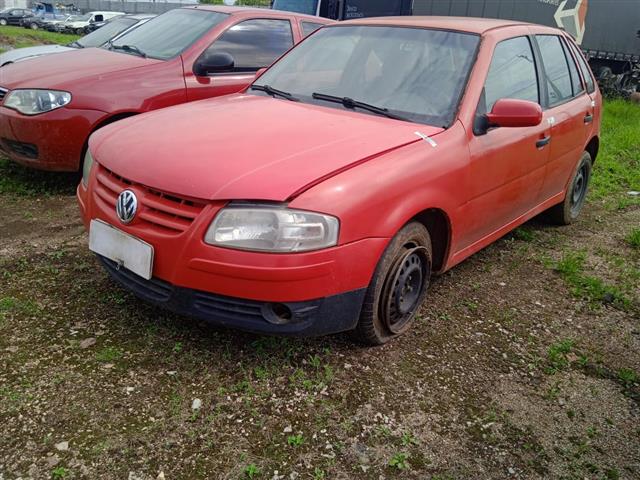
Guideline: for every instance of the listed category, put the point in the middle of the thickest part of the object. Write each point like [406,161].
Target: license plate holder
[126,250]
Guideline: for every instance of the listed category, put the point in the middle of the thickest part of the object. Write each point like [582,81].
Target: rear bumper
[50,141]
[337,313]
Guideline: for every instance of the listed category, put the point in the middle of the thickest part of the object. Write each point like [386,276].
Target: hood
[20,54]
[245,146]
[69,68]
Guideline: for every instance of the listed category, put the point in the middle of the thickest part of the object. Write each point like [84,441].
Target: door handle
[543,141]
[588,118]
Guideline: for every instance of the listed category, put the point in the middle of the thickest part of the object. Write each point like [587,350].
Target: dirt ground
[522,365]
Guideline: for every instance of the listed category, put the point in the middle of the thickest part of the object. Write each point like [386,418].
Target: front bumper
[49,141]
[324,316]
[323,289]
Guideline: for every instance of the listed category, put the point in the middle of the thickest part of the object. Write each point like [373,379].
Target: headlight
[272,229]
[86,168]
[33,102]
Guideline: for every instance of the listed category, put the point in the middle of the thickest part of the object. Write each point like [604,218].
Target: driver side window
[254,44]
[512,74]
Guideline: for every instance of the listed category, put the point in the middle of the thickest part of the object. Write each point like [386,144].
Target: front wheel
[34,26]
[398,287]
[567,212]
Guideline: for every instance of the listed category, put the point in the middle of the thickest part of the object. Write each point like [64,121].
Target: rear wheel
[568,211]
[398,287]
[3,22]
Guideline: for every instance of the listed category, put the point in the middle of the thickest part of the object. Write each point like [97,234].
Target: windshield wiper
[76,44]
[128,48]
[353,104]
[275,92]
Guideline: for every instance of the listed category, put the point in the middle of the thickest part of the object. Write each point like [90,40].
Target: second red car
[50,105]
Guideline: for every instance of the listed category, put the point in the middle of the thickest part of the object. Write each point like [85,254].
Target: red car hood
[64,70]
[245,146]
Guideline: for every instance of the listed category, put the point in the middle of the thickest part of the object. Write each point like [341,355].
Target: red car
[50,106]
[374,154]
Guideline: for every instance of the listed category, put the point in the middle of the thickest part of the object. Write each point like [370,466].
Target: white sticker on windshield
[427,139]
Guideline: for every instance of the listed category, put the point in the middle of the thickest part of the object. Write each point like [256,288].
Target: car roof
[258,11]
[463,24]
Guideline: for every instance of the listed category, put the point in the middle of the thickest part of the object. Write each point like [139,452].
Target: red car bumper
[313,293]
[50,141]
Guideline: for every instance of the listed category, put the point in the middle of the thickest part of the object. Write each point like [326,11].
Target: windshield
[415,73]
[171,33]
[106,33]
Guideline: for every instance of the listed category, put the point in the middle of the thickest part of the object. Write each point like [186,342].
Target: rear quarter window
[584,68]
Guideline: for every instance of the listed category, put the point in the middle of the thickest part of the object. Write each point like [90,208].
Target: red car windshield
[169,34]
[416,74]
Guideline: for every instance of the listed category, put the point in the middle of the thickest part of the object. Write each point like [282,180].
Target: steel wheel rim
[404,289]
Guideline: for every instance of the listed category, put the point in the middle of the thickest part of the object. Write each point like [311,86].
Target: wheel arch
[103,123]
[438,224]
[593,147]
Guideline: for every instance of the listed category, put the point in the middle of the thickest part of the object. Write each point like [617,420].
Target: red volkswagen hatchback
[50,105]
[374,154]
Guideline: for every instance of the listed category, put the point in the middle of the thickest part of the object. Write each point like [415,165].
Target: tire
[3,22]
[398,287]
[34,26]
[567,212]
[80,31]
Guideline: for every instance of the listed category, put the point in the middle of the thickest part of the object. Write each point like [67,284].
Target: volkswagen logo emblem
[126,206]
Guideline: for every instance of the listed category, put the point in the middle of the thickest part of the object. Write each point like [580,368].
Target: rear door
[254,44]
[570,110]
[507,164]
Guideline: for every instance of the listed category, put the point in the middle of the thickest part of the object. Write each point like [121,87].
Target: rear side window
[556,67]
[576,83]
[512,74]
[584,68]
[309,27]
[255,44]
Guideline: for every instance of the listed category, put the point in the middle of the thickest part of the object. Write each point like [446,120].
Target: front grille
[27,150]
[3,92]
[161,211]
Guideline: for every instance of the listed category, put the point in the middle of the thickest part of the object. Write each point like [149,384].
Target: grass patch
[18,37]
[19,180]
[617,168]
[557,355]
[633,239]
[571,268]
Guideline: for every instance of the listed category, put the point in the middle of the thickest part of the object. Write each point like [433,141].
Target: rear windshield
[415,73]
[107,32]
[169,34]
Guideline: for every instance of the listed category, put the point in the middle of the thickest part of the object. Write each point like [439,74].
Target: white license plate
[124,249]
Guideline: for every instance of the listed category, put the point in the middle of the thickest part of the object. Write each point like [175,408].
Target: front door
[254,44]
[507,165]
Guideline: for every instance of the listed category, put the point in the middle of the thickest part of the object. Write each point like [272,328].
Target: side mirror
[509,112]
[216,62]
[260,72]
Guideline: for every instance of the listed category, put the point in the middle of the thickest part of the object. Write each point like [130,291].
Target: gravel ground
[518,367]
